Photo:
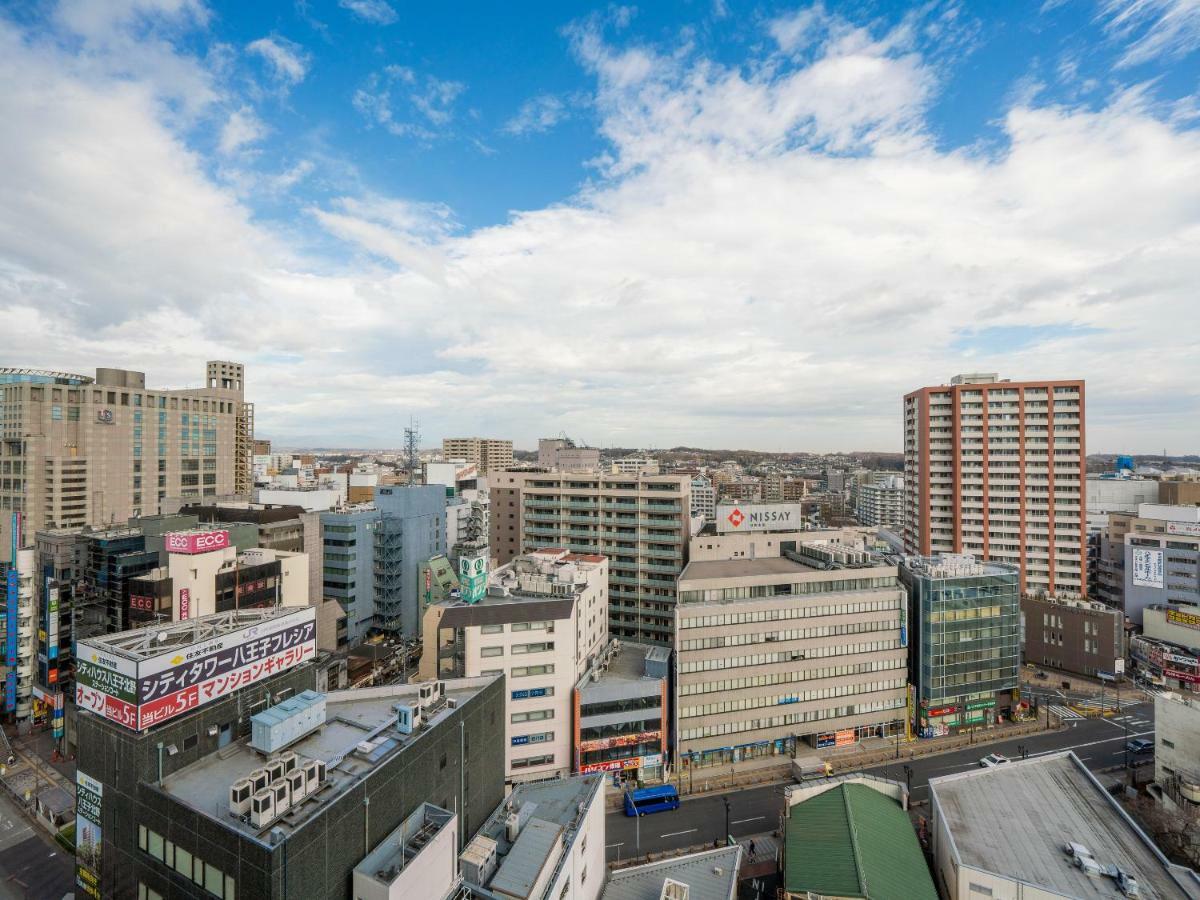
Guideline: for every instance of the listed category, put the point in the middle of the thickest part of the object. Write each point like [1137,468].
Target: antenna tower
[412,445]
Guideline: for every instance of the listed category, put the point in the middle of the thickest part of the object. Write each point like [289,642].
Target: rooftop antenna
[412,441]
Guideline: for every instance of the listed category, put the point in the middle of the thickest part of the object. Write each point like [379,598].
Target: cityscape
[788,387]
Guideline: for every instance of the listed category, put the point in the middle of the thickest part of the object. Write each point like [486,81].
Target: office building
[1161,547]
[373,558]
[880,502]
[623,713]
[1164,663]
[965,641]
[543,623]
[1080,636]
[704,498]
[1178,624]
[996,469]
[505,524]
[851,837]
[776,652]
[641,523]
[563,455]
[488,454]
[262,787]
[1046,803]
[77,450]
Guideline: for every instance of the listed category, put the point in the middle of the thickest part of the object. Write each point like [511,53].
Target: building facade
[77,450]
[641,523]
[1161,547]
[966,642]
[880,502]
[563,455]
[1079,636]
[489,454]
[772,652]
[996,469]
[542,624]
[157,815]
[623,713]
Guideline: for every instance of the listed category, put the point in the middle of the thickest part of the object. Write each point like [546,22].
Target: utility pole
[728,836]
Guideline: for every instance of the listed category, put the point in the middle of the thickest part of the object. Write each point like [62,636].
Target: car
[1041,675]
[1128,884]
[992,760]
[1140,745]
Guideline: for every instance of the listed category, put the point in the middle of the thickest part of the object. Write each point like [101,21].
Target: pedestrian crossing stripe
[1064,712]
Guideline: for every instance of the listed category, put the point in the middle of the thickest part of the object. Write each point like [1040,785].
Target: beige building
[996,469]
[542,624]
[773,653]
[76,450]
[641,523]
[489,454]
[563,455]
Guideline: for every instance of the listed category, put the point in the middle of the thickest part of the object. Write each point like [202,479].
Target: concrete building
[965,641]
[623,713]
[641,523]
[310,499]
[506,523]
[489,454]
[704,498]
[1107,493]
[373,557]
[1079,636]
[1178,624]
[768,541]
[543,624]
[1171,665]
[1178,492]
[1177,752]
[707,875]
[544,842]
[996,469]
[563,455]
[175,808]
[774,652]
[77,450]
[1044,803]
[1161,557]
[635,465]
[881,501]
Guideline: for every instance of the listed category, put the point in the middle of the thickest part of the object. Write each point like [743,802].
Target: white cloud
[378,12]
[537,114]
[286,60]
[1153,29]
[778,253]
[241,129]
[390,96]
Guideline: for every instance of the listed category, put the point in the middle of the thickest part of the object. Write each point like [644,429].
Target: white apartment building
[635,465]
[489,454]
[880,501]
[996,469]
[542,624]
[704,498]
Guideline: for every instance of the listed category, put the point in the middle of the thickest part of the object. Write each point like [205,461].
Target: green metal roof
[853,841]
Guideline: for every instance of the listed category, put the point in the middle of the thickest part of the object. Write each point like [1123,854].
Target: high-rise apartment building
[640,522]
[996,469]
[489,454]
[880,501]
[76,450]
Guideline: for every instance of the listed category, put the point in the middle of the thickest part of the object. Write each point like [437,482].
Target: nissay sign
[759,517]
[196,541]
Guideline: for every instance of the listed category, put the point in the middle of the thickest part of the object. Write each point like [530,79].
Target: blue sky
[716,223]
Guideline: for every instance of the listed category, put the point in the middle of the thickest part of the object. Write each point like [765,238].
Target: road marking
[1090,744]
[622,844]
[678,833]
[740,821]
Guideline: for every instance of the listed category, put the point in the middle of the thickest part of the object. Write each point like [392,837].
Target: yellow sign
[1188,620]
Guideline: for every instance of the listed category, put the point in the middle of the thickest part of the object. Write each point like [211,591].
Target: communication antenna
[412,444]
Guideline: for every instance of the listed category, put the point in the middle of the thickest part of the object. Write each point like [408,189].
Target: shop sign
[826,740]
[89,796]
[981,704]
[844,738]
[941,711]
[1188,620]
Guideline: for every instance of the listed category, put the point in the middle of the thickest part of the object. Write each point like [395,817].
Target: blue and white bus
[651,800]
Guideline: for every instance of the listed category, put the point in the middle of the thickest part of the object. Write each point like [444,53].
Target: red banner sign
[191,542]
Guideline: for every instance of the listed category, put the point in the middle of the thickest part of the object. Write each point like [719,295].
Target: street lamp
[728,836]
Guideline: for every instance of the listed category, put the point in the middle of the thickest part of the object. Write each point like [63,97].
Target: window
[145,893]
[533,715]
[491,651]
[214,880]
[183,862]
[142,837]
[980,890]
[492,629]
[1168,744]
[442,762]
[155,846]
[533,648]
[527,761]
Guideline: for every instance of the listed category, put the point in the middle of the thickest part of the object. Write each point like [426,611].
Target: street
[31,864]
[1099,743]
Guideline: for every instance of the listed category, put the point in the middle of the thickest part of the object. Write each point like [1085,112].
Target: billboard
[1191,529]
[185,604]
[1147,567]
[89,801]
[139,694]
[191,542]
[473,576]
[759,517]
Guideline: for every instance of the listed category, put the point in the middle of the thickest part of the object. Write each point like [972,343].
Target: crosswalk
[1064,712]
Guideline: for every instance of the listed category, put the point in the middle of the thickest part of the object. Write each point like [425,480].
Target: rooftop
[155,640]
[743,568]
[853,841]
[710,875]
[956,565]
[353,717]
[1046,802]
[394,853]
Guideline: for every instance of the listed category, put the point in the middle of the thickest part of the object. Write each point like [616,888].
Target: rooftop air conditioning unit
[290,762]
[262,808]
[512,826]
[297,785]
[259,779]
[408,717]
[283,796]
[275,770]
[239,797]
[314,776]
